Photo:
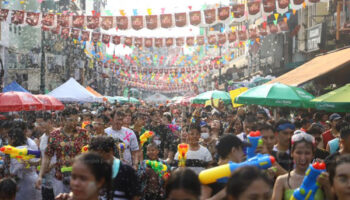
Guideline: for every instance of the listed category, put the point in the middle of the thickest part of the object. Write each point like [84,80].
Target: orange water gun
[182,150]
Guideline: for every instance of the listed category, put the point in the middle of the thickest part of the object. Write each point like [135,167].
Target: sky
[170,6]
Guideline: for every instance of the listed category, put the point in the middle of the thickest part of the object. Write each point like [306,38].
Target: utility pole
[339,8]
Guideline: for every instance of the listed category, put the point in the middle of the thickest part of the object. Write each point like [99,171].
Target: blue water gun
[254,138]
[308,188]
[223,172]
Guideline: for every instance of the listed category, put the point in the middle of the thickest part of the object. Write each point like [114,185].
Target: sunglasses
[300,135]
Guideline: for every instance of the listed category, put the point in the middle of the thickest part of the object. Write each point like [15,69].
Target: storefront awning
[315,68]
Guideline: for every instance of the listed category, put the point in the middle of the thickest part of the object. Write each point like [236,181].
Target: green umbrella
[335,101]
[276,94]
[215,94]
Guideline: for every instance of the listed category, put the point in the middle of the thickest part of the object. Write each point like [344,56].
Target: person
[268,136]
[302,152]
[207,140]
[284,130]
[261,116]
[230,149]
[44,124]
[249,183]
[183,184]
[21,169]
[126,135]
[339,178]
[91,175]
[65,143]
[8,189]
[332,132]
[99,124]
[333,145]
[345,147]
[152,184]
[316,130]
[197,156]
[125,184]
[248,125]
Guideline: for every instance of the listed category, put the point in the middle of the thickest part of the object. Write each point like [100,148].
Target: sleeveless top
[333,145]
[289,193]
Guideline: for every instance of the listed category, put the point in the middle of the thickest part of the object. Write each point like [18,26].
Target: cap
[227,142]
[334,116]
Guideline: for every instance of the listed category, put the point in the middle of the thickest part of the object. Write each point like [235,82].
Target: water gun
[158,167]
[85,149]
[308,188]
[84,124]
[23,154]
[254,138]
[66,169]
[223,172]
[145,137]
[182,149]
[174,127]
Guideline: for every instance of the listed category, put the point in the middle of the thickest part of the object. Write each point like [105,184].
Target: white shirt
[128,137]
[201,154]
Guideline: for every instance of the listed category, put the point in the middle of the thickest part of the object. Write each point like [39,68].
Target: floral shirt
[66,147]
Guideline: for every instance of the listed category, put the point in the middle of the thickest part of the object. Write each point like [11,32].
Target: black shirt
[125,185]
[321,154]
[283,159]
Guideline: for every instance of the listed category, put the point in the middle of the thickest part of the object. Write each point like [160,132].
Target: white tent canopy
[157,98]
[72,91]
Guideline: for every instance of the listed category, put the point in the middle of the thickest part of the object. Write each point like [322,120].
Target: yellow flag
[215,102]
[235,93]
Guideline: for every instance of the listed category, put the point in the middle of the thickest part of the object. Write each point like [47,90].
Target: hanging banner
[253,34]
[152,21]
[85,35]
[297,4]
[190,41]
[78,21]
[106,22]
[210,16]
[116,39]
[32,18]
[268,7]
[282,6]
[221,38]
[75,33]
[263,29]
[180,19]
[232,37]
[128,41]
[180,41]
[106,38]
[63,20]
[166,20]
[48,19]
[195,18]
[148,42]
[138,42]
[242,35]
[254,9]
[223,13]
[212,39]
[56,30]
[93,22]
[17,17]
[122,22]
[283,26]
[96,36]
[3,14]
[169,42]
[65,32]
[200,40]
[158,42]
[137,22]
[238,12]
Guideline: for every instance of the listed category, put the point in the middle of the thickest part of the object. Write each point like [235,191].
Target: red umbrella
[50,102]
[19,101]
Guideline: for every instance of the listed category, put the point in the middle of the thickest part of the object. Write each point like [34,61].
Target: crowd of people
[95,151]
